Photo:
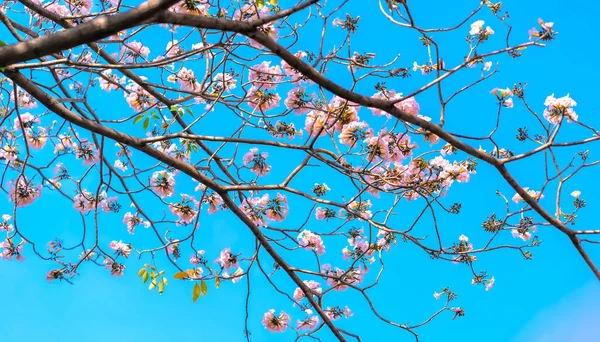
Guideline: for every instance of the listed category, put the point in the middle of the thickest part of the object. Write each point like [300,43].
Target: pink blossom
[308,323]
[265,76]
[10,250]
[4,225]
[298,100]
[25,120]
[227,259]
[173,48]
[262,100]
[315,123]
[163,183]
[477,29]
[277,208]
[224,82]
[120,248]
[535,194]
[559,108]
[311,241]
[131,221]
[276,323]
[186,79]
[354,132]
[186,210]
[133,50]
[314,286]
[138,98]
[88,152]
[257,162]
[489,284]
[23,192]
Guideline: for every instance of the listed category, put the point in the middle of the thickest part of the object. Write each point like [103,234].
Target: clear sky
[552,298]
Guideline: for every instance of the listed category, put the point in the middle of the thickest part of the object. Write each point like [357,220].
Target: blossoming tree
[165,113]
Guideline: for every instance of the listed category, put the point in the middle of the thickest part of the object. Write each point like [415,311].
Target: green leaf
[196,292]
[2,69]
[146,123]
[136,120]
[260,3]
[2,43]
[203,287]
[180,275]
[145,277]
[190,112]
[141,272]
[161,287]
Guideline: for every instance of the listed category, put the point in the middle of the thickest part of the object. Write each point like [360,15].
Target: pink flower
[187,80]
[224,82]
[265,76]
[477,29]
[559,108]
[133,50]
[277,208]
[489,284]
[4,225]
[257,162]
[131,221]
[227,259]
[197,258]
[315,123]
[354,132]
[138,98]
[174,49]
[298,100]
[10,250]
[276,323]
[120,165]
[535,194]
[310,241]
[163,183]
[262,100]
[88,152]
[296,76]
[120,248]
[186,210]
[25,120]
[314,286]
[23,192]
[308,323]
[115,268]
[235,277]
[437,295]
[576,194]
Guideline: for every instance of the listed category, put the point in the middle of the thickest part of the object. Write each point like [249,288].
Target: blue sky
[554,297]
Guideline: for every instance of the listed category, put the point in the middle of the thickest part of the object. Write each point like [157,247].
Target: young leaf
[260,3]
[145,277]
[217,282]
[146,123]
[138,119]
[141,272]
[152,285]
[180,275]
[196,292]
[273,2]
[204,287]
[161,287]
